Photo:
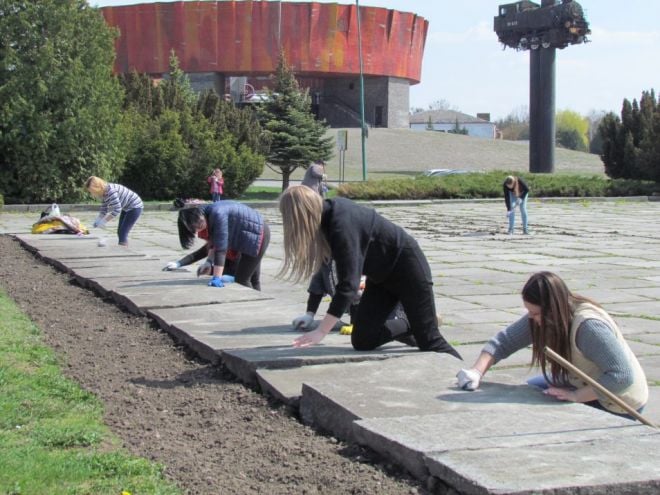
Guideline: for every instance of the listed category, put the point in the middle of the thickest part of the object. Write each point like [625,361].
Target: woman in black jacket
[361,241]
[515,194]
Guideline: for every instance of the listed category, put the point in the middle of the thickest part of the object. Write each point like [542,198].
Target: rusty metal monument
[541,29]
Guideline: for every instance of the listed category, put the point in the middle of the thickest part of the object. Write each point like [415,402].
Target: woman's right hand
[310,338]
[469,379]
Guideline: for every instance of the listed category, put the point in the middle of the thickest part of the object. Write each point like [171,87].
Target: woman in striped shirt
[117,201]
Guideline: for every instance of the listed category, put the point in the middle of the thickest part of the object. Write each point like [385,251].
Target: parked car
[437,172]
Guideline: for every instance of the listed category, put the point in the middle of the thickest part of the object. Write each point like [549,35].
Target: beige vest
[636,395]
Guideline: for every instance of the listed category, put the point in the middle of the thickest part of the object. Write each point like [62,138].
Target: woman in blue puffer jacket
[231,226]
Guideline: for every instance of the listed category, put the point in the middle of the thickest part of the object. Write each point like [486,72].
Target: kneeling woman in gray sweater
[581,332]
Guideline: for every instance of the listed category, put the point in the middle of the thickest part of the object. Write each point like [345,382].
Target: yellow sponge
[346,330]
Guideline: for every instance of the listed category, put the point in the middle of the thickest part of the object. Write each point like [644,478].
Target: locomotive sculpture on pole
[541,29]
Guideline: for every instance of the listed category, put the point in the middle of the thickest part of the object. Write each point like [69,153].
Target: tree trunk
[285,178]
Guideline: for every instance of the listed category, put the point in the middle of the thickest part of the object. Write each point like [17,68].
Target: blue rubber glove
[216,282]
[227,279]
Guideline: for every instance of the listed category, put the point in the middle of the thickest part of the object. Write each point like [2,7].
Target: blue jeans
[523,211]
[126,221]
[216,197]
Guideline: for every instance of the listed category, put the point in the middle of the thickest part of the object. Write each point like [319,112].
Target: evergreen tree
[612,154]
[228,118]
[295,137]
[141,94]
[630,144]
[174,145]
[458,129]
[649,152]
[177,92]
[60,116]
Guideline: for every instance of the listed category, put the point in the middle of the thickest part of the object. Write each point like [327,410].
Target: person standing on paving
[581,332]
[216,183]
[361,241]
[231,226]
[118,201]
[516,193]
[315,177]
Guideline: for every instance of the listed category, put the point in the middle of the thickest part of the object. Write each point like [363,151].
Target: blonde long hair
[305,246]
[96,186]
[513,184]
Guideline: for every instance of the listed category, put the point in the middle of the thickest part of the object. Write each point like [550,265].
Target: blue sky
[465,65]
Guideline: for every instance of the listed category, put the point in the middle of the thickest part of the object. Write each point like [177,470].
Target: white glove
[100,222]
[205,268]
[172,265]
[469,379]
[303,322]
[509,213]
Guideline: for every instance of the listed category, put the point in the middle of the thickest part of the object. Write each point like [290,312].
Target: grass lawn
[52,437]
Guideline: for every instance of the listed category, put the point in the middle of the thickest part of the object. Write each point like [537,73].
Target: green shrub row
[489,185]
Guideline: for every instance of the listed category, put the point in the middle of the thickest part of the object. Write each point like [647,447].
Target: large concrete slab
[142,296]
[287,384]
[417,384]
[417,441]
[622,466]
[398,414]
[247,337]
[335,349]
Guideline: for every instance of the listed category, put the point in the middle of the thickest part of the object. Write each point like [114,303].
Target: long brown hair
[548,291]
[305,246]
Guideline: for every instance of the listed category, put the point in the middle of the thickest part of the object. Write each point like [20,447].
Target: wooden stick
[573,369]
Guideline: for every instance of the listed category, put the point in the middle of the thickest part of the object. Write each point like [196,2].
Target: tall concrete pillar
[542,110]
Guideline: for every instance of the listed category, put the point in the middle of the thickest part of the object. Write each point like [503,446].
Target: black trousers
[411,284]
[248,269]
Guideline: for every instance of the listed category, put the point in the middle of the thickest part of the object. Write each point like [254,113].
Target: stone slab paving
[399,401]
[627,465]
[414,442]
[141,296]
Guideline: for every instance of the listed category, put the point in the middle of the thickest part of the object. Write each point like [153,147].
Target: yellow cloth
[63,224]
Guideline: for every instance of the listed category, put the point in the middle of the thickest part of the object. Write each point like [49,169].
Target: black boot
[399,327]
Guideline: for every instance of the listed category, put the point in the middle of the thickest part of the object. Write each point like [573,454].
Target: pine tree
[177,138]
[295,137]
[178,94]
[60,118]
[649,152]
[227,118]
[630,144]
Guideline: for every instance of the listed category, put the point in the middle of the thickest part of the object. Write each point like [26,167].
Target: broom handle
[573,369]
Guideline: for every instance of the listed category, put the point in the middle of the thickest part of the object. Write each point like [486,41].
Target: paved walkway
[400,402]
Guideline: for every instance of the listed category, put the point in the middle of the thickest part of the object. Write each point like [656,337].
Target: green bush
[489,185]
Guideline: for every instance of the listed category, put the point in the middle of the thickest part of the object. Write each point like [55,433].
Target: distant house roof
[445,117]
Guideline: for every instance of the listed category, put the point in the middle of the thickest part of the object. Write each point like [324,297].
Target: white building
[445,120]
